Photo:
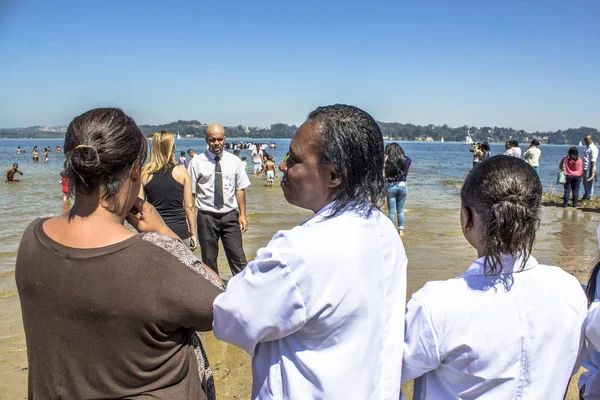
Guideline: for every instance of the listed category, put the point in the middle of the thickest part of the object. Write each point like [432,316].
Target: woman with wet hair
[572,167]
[168,188]
[396,168]
[108,312]
[509,327]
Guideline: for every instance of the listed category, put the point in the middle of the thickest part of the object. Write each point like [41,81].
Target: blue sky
[531,65]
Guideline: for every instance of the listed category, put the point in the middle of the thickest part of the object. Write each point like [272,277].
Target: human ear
[334,178]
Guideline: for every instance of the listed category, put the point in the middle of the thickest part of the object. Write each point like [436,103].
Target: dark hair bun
[101,146]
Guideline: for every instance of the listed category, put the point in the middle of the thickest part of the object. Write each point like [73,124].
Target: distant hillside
[390,130]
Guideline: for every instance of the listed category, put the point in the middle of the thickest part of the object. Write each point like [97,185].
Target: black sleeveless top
[166,195]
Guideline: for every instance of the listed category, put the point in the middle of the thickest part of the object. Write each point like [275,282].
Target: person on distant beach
[64,182]
[168,188]
[35,155]
[589,167]
[256,158]
[572,167]
[589,381]
[244,164]
[191,153]
[396,169]
[270,171]
[58,150]
[19,151]
[532,155]
[107,312]
[236,153]
[508,327]
[321,307]
[512,149]
[183,160]
[46,151]
[475,148]
[219,184]
[9,176]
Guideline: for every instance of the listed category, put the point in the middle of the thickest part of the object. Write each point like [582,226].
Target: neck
[90,207]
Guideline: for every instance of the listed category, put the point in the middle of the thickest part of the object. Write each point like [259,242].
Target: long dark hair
[505,193]
[590,290]
[352,143]
[395,162]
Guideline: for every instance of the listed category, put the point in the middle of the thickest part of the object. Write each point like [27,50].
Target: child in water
[270,171]
[244,164]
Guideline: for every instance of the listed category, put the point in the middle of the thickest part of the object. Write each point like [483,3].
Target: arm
[421,348]
[19,171]
[193,173]
[240,196]
[190,212]
[261,304]
[561,164]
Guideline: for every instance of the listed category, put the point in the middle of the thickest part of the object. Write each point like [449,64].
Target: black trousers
[211,227]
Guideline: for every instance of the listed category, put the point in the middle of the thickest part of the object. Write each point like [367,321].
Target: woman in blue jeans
[395,170]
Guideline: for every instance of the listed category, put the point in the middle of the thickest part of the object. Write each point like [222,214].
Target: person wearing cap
[218,183]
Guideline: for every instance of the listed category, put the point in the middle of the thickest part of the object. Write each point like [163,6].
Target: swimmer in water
[19,150]
[9,176]
[35,155]
[46,151]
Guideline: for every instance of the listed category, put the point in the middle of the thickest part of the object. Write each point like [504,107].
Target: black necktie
[218,184]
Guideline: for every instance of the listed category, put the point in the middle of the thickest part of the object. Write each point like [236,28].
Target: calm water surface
[434,243]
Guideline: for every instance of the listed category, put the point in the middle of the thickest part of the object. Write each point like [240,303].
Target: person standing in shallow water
[321,307]
[589,167]
[573,170]
[508,327]
[397,166]
[107,312]
[219,183]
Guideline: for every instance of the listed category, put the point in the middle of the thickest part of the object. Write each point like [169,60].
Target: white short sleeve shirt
[202,174]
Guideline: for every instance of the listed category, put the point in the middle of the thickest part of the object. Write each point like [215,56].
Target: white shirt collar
[211,156]
[510,265]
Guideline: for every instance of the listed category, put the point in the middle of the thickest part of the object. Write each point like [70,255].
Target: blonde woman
[167,187]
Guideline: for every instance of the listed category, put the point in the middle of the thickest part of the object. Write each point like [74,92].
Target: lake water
[433,240]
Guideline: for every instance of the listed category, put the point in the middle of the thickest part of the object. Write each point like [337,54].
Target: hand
[149,219]
[592,177]
[193,238]
[243,223]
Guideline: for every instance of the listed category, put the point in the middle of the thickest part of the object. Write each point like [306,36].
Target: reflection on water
[434,243]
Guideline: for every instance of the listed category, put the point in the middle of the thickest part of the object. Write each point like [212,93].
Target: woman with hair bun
[108,312]
[509,327]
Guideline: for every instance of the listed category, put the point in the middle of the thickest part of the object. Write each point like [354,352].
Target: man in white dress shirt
[218,182]
[321,308]
[589,167]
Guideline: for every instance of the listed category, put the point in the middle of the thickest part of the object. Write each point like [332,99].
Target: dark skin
[10,174]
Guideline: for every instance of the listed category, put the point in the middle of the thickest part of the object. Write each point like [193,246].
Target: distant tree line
[391,130]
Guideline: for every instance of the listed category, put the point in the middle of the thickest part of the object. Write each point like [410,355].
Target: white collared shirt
[202,174]
[591,378]
[321,310]
[511,336]
[590,156]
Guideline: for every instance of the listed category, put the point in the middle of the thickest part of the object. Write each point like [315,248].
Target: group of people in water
[111,313]
[35,155]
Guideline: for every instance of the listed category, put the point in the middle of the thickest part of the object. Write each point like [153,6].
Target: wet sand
[434,244]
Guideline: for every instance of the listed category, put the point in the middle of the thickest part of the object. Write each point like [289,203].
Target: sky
[532,65]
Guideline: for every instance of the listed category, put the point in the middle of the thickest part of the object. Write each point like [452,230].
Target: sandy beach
[434,244]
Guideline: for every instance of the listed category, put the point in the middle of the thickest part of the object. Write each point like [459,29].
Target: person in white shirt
[512,149]
[589,381]
[321,308]
[589,167]
[532,155]
[218,183]
[508,327]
